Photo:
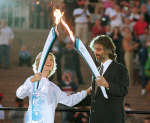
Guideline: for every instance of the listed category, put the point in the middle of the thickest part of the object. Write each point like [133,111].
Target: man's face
[99,52]
[48,66]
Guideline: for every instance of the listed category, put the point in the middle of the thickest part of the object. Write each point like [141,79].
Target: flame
[69,30]
[58,15]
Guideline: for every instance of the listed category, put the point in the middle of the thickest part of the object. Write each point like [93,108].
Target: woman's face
[48,66]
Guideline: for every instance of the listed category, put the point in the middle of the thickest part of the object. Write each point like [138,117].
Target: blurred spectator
[144,11]
[17,116]
[98,29]
[35,14]
[129,46]
[6,37]
[81,117]
[49,18]
[148,7]
[110,9]
[70,5]
[108,30]
[147,66]
[137,3]
[69,86]
[2,113]
[130,118]
[96,15]
[91,5]
[127,23]
[117,39]
[81,16]
[105,20]
[71,60]
[24,56]
[147,120]
[131,3]
[134,16]
[125,11]
[140,29]
[116,17]
[107,3]
[43,15]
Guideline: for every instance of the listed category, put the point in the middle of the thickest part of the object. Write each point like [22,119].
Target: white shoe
[143,91]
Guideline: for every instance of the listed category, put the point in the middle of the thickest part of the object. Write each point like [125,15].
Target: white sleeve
[25,89]
[70,100]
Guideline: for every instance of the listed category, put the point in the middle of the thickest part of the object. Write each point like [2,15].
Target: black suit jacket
[111,110]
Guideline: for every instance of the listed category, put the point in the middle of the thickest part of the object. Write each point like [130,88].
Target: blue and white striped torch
[38,110]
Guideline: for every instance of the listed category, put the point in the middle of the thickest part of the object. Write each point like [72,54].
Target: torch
[81,49]
[38,102]
[49,43]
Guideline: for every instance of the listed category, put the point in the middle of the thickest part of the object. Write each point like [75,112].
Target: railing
[75,109]
[131,116]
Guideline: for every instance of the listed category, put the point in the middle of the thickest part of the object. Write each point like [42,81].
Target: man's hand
[101,81]
[36,77]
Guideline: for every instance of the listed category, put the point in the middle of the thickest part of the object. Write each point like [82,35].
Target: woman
[49,93]
[117,39]
[129,46]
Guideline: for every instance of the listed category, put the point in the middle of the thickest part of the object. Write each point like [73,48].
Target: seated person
[24,56]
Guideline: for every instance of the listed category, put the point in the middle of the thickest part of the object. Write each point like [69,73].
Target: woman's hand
[89,90]
[36,77]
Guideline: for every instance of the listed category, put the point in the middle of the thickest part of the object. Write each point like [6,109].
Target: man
[48,94]
[114,78]
[6,37]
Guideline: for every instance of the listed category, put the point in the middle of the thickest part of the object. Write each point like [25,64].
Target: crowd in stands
[127,22]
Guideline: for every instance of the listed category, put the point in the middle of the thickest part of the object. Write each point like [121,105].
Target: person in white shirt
[116,17]
[49,92]
[6,37]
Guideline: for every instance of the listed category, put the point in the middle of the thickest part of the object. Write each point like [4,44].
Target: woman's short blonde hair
[37,61]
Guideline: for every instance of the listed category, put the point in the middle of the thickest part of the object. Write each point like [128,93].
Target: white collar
[106,65]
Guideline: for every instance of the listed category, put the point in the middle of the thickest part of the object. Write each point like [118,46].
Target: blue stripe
[77,43]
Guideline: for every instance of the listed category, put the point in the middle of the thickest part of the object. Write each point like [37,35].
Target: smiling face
[48,66]
[99,52]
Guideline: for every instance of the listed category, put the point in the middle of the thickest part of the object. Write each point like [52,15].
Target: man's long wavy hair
[107,44]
